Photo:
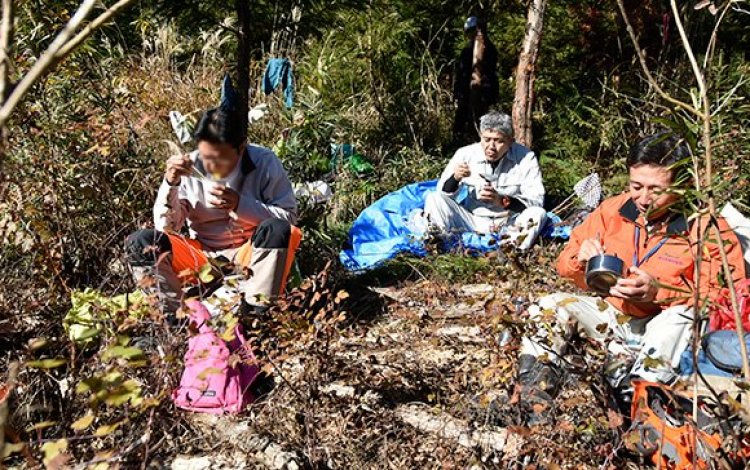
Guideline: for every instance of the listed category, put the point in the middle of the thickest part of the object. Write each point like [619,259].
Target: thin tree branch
[706,137]
[689,51]
[11,383]
[90,28]
[6,36]
[45,61]
[642,59]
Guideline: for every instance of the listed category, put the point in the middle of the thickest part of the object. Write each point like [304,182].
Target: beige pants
[655,343]
[448,215]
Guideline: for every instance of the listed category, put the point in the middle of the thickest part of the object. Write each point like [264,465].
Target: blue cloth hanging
[229,97]
[279,73]
[393,225]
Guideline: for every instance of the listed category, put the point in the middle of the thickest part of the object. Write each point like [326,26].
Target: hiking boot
[540,381]
[248,309]
[618,377]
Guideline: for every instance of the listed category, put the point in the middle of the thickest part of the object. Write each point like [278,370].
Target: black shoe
[247,309]
[541,375]
[540,381]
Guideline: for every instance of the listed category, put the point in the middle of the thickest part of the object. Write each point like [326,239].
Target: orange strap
[187,257]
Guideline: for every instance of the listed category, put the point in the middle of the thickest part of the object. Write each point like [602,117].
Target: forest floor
[425,379]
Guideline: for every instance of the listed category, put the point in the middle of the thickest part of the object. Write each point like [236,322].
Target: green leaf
[47,363]
[126,352]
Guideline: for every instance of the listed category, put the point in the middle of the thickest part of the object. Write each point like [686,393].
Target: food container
[603,271]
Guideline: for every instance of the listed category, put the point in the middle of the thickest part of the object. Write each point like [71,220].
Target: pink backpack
[208,383]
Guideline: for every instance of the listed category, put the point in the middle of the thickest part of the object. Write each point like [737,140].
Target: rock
[488,438]
[338,389]
[477,290]
[464,334]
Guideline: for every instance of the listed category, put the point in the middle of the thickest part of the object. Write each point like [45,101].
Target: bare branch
[6,36]
[712,41]
[11,383]
[699,77]
[45,61]
[642,59]
[90,28]
[707,144]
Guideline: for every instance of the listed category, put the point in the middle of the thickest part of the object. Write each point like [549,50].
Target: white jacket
[518,176]
[265,192]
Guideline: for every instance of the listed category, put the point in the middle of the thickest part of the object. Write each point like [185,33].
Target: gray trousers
[448,215]
[153,260]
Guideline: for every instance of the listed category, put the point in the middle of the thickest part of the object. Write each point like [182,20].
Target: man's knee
[532,214]
[143,247]
[272,233]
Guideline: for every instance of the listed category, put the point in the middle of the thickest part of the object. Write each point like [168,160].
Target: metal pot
[603,271]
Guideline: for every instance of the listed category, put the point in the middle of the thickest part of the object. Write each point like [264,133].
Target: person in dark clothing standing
[476,87]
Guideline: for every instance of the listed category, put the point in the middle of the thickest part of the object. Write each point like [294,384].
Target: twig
[60,47]
[89,28]
[6,35]
[12,375]
[642,59]
[45,61]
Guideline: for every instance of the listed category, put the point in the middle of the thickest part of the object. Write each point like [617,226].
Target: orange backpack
[662,428]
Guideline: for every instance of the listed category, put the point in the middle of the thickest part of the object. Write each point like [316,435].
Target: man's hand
[640,289]
[225,197]
[489,194]
[589,248]
[177,167]
[461,171]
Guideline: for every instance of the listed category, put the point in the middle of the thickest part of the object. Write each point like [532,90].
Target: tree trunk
[477,77]
[243,58]
[525,74]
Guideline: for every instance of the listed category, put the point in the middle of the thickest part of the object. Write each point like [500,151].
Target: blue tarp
[393,225]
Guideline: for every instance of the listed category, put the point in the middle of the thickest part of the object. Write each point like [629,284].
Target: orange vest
[665,254]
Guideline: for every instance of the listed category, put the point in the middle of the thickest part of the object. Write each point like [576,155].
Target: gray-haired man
[504,186]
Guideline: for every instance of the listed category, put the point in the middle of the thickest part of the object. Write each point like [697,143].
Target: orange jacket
[672,264]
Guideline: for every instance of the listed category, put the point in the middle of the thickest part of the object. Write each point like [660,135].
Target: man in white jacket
[503,182]
[238,203]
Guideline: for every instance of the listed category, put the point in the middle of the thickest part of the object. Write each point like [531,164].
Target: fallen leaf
[615,419]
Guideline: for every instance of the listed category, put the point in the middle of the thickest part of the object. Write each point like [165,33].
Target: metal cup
[603,271]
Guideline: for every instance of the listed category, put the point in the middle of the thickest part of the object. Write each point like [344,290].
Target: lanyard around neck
[637,262]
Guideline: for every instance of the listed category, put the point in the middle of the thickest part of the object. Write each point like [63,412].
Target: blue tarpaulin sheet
[394,225]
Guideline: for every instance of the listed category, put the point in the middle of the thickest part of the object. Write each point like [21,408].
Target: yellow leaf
[41,425]
[37,343]
[47,363]
[206,273]
[10,449]
[602,305]
[82,423]
[106,429]
[567,301]
[54,453]
[622,319]
[341,295]
[209,371]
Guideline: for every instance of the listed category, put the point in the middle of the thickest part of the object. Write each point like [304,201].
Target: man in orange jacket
[646,318]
